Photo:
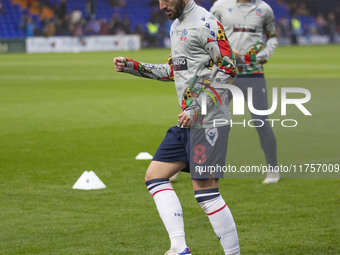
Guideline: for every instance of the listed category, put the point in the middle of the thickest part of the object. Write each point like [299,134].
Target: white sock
[170,210]
[220,218]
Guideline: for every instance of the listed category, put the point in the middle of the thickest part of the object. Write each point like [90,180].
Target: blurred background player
[245,23]
[200,52]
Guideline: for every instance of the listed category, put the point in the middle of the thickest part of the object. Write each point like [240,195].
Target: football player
[246,22]
[202,66]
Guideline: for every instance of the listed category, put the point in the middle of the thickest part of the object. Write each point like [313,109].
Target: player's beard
[178,10]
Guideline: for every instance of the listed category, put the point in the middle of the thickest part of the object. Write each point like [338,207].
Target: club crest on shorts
[184,35]
[211,135]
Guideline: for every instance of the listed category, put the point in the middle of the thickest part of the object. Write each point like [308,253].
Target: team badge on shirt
[259,13]
[230,10]
[184,35]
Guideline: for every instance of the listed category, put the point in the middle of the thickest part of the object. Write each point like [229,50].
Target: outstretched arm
[163,72]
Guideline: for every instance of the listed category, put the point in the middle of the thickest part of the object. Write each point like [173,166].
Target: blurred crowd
[294,27]
[75,23]
[302,22]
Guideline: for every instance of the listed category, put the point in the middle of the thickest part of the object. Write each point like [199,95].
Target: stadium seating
[138,11]
[280,9]
[10,19]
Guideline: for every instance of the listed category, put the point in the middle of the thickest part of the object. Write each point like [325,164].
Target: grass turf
[62,114]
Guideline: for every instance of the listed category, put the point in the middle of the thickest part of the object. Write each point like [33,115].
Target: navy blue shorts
[175,146]
[202,150]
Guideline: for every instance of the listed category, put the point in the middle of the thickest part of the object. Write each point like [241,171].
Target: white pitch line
[61,78]
[53,63]
[305,66]
[304,76]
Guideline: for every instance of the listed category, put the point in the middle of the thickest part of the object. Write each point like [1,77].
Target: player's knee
[265,131]
[210,183]
[150,173]
[147,177]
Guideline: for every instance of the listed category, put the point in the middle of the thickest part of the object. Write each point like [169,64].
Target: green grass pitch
[62,114]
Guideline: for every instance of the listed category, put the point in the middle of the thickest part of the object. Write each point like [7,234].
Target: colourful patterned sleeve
[270,25]
[161,72]
[271,35]
[223,71]
[218,47]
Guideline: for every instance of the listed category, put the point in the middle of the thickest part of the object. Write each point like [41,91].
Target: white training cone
[89,180]
[143,155]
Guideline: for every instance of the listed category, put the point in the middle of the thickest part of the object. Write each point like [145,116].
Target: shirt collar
[187,9]
[252,2]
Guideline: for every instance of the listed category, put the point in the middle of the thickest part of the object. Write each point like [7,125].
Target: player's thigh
[208,150]
[259,95]
[158,169]
[211,183]
[239,83]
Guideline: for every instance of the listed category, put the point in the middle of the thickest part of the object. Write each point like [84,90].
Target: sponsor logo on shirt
[179,64]
[245,28]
